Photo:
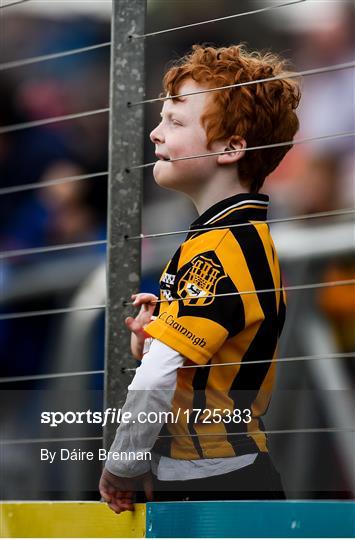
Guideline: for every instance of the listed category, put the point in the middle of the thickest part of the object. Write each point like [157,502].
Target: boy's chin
[167,182]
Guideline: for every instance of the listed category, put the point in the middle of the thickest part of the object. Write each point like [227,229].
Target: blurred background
[313,177]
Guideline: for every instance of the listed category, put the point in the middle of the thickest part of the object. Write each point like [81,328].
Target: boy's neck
[214,192]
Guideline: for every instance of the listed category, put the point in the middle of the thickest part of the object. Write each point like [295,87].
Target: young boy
[203,340]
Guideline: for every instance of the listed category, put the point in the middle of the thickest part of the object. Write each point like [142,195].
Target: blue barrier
[250,519]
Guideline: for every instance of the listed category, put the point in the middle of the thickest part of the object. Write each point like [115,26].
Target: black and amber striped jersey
[216,313]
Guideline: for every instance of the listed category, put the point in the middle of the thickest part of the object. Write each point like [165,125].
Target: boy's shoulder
[222,241]
[202,241]
[218,252]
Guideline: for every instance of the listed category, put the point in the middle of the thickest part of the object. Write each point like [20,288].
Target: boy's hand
[136,325]
[118,492]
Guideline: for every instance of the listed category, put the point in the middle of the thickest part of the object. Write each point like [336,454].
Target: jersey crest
[200,280]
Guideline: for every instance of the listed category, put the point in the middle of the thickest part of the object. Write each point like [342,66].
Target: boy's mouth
[161,157]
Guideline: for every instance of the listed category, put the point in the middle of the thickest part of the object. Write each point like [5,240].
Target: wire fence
[54,56]
[219,19]
[11,442]
[45,376]
[14,3]
[49,183]
[251,148]
[292,75]
[305,287]
[314,215]
[308,286]
[52,120]
[43,312]
[49,249]
[46,249]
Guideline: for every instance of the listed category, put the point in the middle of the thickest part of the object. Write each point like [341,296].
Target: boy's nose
[156,135]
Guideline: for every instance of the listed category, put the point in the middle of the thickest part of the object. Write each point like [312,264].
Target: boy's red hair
[261,113]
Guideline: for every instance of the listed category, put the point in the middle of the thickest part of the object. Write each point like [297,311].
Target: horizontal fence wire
[53,56]
[24,378]
[15,3]
[315,215]
[46,249]
[329,356]
[219,19]
[266,432]
[25,314]
[6,442]
[150,34]
[37,250]
[320,285]
[291,75]
[48,183]
[52,120]
[339,135]
[39,313]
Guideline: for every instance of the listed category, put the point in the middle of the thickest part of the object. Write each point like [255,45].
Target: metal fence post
[125,192]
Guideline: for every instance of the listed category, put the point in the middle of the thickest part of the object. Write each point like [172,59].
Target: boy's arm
[151,390]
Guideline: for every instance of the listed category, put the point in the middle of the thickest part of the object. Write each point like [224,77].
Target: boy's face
[181,134]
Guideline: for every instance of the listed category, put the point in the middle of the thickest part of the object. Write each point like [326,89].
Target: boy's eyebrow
[170,114]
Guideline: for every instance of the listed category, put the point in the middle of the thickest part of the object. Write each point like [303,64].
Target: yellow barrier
[43,519]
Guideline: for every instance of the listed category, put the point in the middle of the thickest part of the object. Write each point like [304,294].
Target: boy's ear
[235,142]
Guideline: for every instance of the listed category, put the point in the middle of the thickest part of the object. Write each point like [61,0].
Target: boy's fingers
[119,505]
[133,325]
[128,322]
[148,488]
[105,497]
[116,508]
[140,299]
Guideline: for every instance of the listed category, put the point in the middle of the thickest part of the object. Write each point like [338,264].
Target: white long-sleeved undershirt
[152,390]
